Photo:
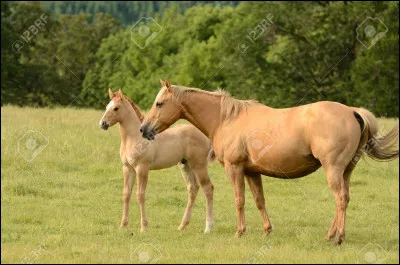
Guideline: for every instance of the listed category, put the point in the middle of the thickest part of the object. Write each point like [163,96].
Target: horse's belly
[284,167]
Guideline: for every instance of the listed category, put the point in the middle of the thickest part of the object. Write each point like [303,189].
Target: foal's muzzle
[146,132]
[104,125]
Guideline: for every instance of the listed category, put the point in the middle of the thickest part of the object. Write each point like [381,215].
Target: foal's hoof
[122,226]
[208,228]
[182,226]
[143,230]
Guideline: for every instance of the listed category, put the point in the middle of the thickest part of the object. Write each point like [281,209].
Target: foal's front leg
[235,173]
[142,173]
[129,180]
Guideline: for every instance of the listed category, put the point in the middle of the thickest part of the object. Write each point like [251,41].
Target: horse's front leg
[236,175]
[129,180]
[142,178]
[256,187]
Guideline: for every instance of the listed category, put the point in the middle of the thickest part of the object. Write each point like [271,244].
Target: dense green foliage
[127,12]
[306,52]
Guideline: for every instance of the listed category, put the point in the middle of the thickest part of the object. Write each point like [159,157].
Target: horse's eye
[158,104]
[115,109]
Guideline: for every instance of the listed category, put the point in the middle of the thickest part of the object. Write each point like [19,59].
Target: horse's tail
[376,146]
[211,154]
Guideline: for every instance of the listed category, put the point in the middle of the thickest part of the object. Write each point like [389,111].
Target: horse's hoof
[143,230]
[267,231]
[122,226]
[240,233]
[338,240]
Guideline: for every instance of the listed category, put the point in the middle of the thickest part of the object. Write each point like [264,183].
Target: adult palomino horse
[250,139]
[184,145]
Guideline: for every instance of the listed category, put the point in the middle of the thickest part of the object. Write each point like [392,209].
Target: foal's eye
[158,104]
[115,109]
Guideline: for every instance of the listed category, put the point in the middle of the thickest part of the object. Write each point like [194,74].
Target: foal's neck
[203,111]
[129,125]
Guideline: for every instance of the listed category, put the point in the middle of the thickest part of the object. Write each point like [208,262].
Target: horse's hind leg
[192,188]
[339,186]
[346,177]
[256,187]
[205,182]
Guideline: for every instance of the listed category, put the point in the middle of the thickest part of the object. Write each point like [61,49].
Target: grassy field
[66,204]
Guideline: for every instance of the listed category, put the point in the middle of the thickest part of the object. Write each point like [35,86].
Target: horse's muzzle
[104,125]
[147,133]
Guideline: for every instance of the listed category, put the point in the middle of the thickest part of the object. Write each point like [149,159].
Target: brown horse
[250,139]
[182,145]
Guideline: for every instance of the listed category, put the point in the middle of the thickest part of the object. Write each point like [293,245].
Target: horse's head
[165,111]
[114,110]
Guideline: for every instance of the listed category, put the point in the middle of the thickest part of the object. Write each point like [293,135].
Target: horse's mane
[230,107]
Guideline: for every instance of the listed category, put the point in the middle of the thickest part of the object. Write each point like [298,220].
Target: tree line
[127,12]
[281,53]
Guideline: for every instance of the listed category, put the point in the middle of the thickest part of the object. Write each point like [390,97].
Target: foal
[184,145]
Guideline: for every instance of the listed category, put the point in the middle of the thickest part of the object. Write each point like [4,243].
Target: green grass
[65,206]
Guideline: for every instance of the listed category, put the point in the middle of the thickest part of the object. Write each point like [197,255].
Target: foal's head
[166,110]
[114,110]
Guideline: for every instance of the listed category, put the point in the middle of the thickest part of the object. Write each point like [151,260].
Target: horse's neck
[203,111]
[129,125]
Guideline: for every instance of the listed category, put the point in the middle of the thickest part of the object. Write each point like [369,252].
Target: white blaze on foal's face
[110,105]
[110,115]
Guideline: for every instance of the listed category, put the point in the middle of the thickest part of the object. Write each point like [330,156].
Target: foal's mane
[135,108]
[230,106]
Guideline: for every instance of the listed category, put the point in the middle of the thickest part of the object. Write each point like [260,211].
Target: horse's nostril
[141,130]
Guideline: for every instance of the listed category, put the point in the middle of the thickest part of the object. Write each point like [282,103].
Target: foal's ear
[110,93]
[162,83]
[168,85]
[120,92]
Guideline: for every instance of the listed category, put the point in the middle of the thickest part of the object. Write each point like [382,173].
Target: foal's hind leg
[192,188]
[256,187]
[205,182]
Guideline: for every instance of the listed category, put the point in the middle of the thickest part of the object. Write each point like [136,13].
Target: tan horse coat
[183,145]
[251,139]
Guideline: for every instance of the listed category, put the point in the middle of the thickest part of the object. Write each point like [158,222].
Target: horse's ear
[162,83]
[120,92]
[168,85]
[110,93]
